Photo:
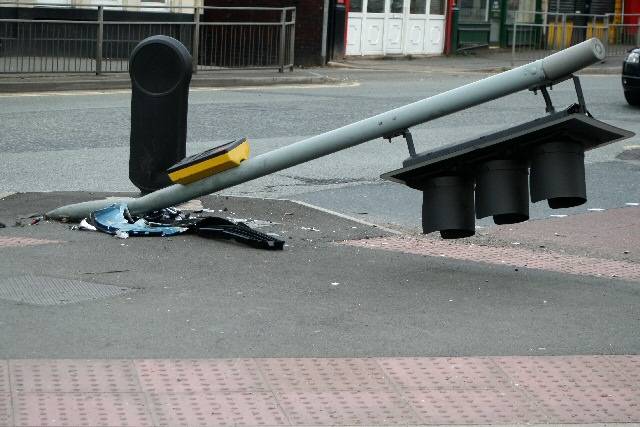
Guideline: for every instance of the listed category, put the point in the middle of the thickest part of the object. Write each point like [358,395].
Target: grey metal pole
[99,40]
[292,39]
[283,31]
[554,67]
[564,31]
[196,38]
[513,41]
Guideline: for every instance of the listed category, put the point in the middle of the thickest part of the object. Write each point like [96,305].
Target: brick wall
[309,17]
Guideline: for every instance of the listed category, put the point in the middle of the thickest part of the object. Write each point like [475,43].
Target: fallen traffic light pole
[537,75]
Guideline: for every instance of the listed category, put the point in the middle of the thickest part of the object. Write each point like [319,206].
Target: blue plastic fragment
[114,218]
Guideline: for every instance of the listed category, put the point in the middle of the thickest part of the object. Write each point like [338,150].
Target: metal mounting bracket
[406,134]
[580,107]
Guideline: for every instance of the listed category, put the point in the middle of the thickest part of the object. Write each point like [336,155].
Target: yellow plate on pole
[210,162]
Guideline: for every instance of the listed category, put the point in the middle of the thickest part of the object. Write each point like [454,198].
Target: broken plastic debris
[256,223]
[116,218]
[335,283]
[595,209]
[121,234]
[311,228]
[84,225]
[557,215]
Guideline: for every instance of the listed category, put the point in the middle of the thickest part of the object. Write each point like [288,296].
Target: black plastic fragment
[220,228]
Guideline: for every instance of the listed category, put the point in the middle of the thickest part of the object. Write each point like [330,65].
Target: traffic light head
[489,176]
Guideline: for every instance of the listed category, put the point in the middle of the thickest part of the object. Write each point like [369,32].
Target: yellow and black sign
[207,163]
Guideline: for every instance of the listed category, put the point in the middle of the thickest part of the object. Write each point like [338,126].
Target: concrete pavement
[473,61]
[12,83]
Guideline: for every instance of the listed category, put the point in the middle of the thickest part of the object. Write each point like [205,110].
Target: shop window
[473,10]
[436,7]
[396,6]
[524,10]
[418,7]
[375,6]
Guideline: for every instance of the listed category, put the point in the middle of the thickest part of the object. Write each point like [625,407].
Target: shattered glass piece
[116,218]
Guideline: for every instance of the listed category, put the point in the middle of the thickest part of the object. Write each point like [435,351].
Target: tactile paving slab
[219,409]
[64,376]
[321,391]
[517,257]
[80,409]
[187,376]
[16,242]
[445,373]
[472,406]
[542,373]
[5,410]
[4,377]
[629,367]
[323,374]
[347,408]
[590,405]
[44,290]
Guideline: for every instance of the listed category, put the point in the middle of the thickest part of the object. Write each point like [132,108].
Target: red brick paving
[512,256]
[321,391]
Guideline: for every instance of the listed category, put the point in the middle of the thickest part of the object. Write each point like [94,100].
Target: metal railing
[101,42]
[534,35]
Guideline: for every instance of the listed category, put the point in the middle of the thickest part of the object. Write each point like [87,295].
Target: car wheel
[633,98]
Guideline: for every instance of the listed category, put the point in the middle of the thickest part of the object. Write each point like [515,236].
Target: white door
[416,26]
[394,26]
[434,41]
[354,34]
[380,27]
[373,24]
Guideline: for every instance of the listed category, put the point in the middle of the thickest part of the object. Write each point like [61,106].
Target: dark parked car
[631,77]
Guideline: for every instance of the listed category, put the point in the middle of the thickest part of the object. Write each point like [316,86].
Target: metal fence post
[283,28]
[292,41]
[455,29]
[513,39]
[606,33]
[564,30]
[196,39]
[99,40]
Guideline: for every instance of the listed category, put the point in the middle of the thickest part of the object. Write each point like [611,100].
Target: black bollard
[160,70]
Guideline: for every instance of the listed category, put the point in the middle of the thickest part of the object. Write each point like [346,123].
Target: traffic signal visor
[493,175]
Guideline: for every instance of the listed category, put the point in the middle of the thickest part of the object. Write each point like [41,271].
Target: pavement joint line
[499,255]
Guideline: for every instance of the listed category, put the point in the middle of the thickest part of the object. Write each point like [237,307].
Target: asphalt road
[79,141]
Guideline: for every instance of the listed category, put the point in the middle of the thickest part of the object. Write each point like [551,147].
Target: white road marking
[194,89]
